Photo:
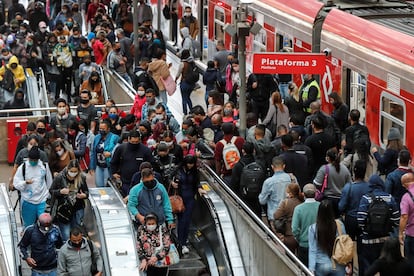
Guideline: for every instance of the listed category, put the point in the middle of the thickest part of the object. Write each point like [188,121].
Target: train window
[259,41]
[283,41]
[392,115]
[357,86]
[219,24]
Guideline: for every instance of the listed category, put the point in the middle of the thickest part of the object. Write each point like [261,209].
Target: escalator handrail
[219,229]
[31,95]
[13,230]
[104,89]
[44,91]
[258,221]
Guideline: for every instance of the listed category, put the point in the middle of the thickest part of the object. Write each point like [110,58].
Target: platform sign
[288,63]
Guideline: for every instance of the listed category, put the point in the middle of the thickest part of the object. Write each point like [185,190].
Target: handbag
[170,85]
[177,203]
[319,195]
[65,211]
[280,224]
[171,258]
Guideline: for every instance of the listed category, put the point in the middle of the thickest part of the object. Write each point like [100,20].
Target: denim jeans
[186,90]
[76,221]
[127,78]
[37,273]
[326,269]
[409,250]
[163,96]
[184,219]
[367,255]
[101,176]
[283,88]
[30,212]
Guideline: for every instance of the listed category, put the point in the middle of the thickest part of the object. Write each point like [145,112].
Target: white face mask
[169,143]
[60,152]
[187,14]
[151,227]
[72,174]
[159,116]
[61,110]
[141,93]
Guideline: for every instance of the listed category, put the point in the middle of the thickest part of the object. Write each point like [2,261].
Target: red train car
[369,63]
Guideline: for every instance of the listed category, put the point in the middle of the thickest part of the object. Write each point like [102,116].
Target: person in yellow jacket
[309,92]
[17,70]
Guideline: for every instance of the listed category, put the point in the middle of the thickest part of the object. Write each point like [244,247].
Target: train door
[355,91]
[204,29]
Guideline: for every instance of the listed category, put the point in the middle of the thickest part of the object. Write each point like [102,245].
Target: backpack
[192,74]
[378,217]
[166,12]
[361,134]
[231,154]
[343,249]
[8,81]
[251,180]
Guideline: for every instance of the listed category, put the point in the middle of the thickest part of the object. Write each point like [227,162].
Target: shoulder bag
[319,196]
[170,85]
[171,258]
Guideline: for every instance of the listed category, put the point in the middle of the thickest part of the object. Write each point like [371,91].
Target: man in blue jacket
[43,238]
[150,196]
[371,245]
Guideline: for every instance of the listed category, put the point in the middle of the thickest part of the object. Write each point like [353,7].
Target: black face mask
[41,130]
[60,28]
[150,184]
[84,101]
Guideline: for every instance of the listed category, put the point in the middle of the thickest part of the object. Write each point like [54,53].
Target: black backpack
[378,217]
[251,180]
[8,81]
[192,75]
[166,12]
[361,135]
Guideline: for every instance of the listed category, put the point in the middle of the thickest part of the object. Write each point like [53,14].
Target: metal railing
[278,243]
[43,91]
[104,88]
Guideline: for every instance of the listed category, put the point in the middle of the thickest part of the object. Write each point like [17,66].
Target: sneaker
[185,250]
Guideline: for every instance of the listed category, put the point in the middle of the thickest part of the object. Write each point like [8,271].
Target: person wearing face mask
[190,22]
[62,53]
[60,29]
[33,179]
[117,62]
[168,119]
[41,33]
[63,15]
[151,104]
[114,118]
[103,145]
[38,246]
[139,102]
[86,110]
[15,8]
[101,47]
[77,255]
[166,163]
[309,92]
[78,140]
[69,187]
[150,196]
[16,79]
[127,159]
[63,117]
[18,102]
[187,181]
[59,157]
[37,15]
[35,56]
[168,137]
[144,12]
[148,242]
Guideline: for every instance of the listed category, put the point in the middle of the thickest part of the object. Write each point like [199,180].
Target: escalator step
[184,264]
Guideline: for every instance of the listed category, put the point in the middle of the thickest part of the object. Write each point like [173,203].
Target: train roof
[397,15]
[379,38]
[305,10]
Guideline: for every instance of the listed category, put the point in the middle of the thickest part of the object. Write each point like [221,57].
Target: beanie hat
[394,134]
[34,153]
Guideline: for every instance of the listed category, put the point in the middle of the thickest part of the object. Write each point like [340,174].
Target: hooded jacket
[143,201]
[74,261]
[18,72]
[376,188]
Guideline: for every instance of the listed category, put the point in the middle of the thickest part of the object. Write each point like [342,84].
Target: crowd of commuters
[299,167]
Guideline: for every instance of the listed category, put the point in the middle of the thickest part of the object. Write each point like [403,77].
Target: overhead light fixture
[230,29]
[255,28]
[246,1]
